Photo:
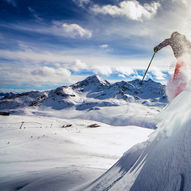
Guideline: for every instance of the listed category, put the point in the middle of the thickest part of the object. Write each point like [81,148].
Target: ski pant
[179,78]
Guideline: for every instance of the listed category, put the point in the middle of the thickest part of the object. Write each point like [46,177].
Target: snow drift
[162,163]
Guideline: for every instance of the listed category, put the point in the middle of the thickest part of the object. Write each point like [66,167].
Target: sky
[49,43]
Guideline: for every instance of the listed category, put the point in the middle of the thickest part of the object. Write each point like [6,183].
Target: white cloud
[184,2]
[49,75]
[158,73]
[101,69]
[124,70]
[48,71]
[35,15]
[77,65]
[82,3]
[5,90]
[121,75]
[33,74]
[104,46]
[75,30]
[82,59]
[57,28]
[131,9]
[38,68]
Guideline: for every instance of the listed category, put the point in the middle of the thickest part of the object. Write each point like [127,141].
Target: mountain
[161,163]
[91,83]
[91,93]
[6,94]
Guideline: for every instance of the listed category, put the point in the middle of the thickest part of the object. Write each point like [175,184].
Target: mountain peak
[97,79]
[94,80]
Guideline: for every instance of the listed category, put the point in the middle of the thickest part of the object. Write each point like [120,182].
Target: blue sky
[48,43]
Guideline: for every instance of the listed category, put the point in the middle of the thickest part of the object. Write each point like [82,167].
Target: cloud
[82,3]
[75,31]
[77,59]
[104,46]
[36,67]
[77,65]
[50,75]
[11,2]
[131,9]
[35,15]
[56,28]
[5,90]
[104,70]
[48,71]
[184,2]
[32,74]
[124,70]
[121,75]
[158,74]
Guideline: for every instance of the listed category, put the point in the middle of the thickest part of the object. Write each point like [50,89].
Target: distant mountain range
[6,94]
[90,94]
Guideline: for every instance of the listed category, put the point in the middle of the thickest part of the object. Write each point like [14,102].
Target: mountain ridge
[89,93]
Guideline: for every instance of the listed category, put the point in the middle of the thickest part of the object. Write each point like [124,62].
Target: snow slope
[41,155]
[162,163]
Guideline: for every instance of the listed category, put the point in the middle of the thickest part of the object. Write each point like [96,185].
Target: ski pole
[147,68]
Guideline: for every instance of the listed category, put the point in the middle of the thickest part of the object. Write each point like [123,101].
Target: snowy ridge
[6,94]
[161,163]
[91,93]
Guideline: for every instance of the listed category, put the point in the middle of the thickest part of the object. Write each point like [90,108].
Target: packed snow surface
[162,163]
[40,154]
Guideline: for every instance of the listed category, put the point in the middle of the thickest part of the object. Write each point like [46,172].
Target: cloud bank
[38,68]
[131,9]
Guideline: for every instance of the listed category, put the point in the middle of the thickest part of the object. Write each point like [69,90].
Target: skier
[181,47]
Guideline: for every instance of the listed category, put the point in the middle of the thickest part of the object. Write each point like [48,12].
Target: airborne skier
[181,48]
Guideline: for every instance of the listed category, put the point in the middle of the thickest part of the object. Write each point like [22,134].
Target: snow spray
[179,80]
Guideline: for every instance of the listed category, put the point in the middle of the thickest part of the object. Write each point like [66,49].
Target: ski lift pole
[147,68]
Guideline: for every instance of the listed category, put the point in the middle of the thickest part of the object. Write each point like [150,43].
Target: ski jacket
[178,43]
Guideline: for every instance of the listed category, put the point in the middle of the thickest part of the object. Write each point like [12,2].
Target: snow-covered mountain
[91,93]
[2,94]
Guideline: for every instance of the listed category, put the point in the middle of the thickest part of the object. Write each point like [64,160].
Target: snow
[122,115]
[161,163]
[44,156]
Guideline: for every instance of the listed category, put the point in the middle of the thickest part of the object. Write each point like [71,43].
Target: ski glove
[156,49]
